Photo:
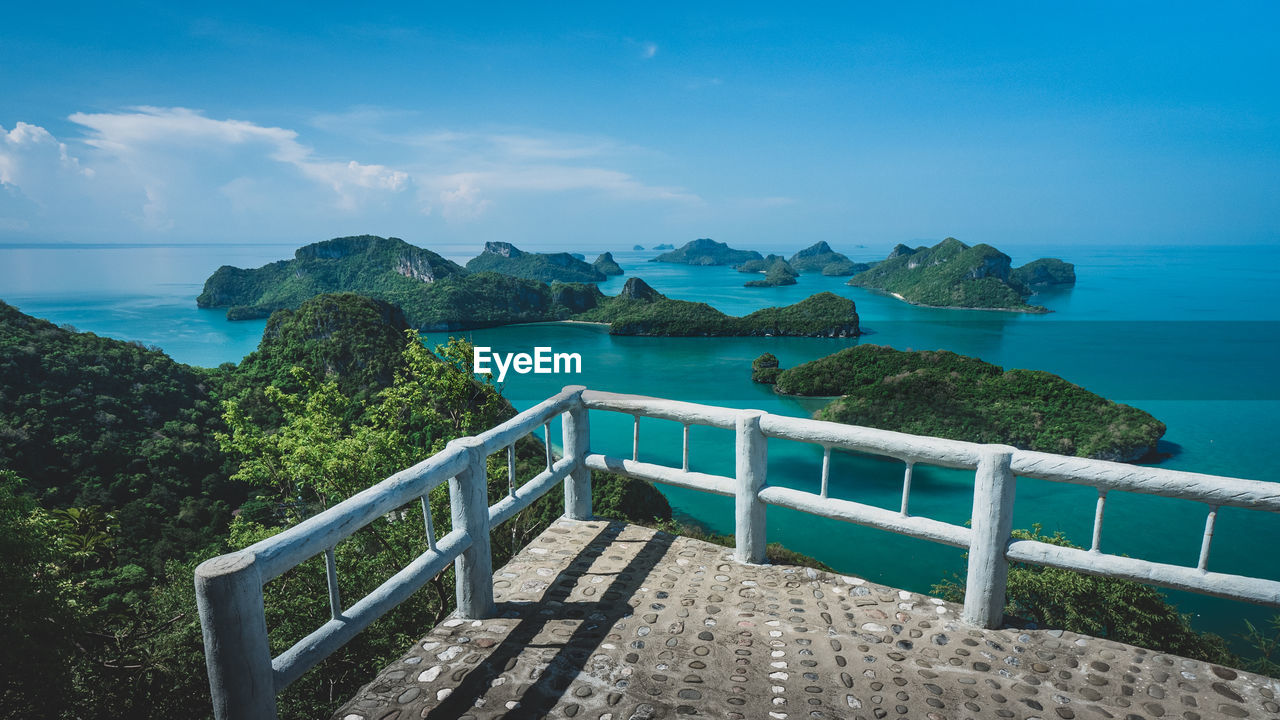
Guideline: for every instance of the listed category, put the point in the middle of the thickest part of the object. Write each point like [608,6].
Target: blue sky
[595,126]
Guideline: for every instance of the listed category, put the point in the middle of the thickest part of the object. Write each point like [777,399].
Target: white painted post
[469,504]
[993,493]
[236,651]
[752,453]
[575,425]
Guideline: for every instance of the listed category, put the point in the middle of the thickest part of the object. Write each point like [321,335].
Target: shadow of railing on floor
[597,619]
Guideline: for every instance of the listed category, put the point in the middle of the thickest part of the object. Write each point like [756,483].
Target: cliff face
[952,274]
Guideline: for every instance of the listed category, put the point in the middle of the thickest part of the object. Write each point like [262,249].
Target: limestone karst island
[639,362]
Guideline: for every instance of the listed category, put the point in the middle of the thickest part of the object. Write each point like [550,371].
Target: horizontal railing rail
[245,678]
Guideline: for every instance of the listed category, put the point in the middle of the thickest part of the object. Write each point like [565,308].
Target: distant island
[663,246]
[637,248]
[437,295]
[776,272]
[947,395]
[505,258]
[820,258]
[606,265]
[705,251]
[641,310]
[954,275]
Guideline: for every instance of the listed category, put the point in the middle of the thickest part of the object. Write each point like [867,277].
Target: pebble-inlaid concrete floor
[611,621]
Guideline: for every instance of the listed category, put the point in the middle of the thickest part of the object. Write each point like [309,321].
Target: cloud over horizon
[174,173]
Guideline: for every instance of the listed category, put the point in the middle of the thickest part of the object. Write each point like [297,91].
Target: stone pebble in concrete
[611,621]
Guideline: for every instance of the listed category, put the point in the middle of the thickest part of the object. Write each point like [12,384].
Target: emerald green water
[1188,334]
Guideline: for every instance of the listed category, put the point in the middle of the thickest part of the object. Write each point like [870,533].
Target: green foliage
[641,310]
[778,273]
[952,274]
[844,268]
[764,369]
[379,267]
[818,258]
[505,258]
[607,265]
[1045,271]
[705,251]
[1266,647]
[92,421]
[948,395]
[1111,608]
[761,265]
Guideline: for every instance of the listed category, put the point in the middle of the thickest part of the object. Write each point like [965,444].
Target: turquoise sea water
[1188,334]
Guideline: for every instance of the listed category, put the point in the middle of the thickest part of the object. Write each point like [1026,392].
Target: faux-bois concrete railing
[245,678]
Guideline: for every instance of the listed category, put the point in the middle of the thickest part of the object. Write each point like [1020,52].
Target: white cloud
[184,174]
[134,136]
[648,50]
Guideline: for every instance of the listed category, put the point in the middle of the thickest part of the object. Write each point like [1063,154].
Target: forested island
[947,395]
[954,275]
[438,295]
[705,251]
[777,271]
[819,257]
[607,265]
[641,310]
[507,259]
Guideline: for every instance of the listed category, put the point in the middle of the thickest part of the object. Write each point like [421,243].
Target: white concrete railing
[245,679]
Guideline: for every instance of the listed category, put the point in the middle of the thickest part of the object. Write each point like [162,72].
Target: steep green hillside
[376,266]
[952,274]
[963,398]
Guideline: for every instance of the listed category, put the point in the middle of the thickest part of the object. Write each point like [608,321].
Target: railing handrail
[245,679]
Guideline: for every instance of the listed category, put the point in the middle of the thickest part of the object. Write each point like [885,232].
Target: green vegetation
[378,267]
[458,299]
[133,464]
[507,259]
[705,251]
[765,369]
[1111,608]
[952,274]
[1045,271]
[948,395]
[819,257]
[844,268]
[779,273]
[761,265]
[607,265]
[641,310]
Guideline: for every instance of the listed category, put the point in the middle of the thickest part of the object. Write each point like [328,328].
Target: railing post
[993,493]
[236,651]
[575,424]
[469,505]
[752,454]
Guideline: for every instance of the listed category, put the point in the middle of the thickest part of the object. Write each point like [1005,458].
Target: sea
[1189,334]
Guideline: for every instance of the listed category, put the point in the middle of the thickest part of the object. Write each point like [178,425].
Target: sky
[599,125]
